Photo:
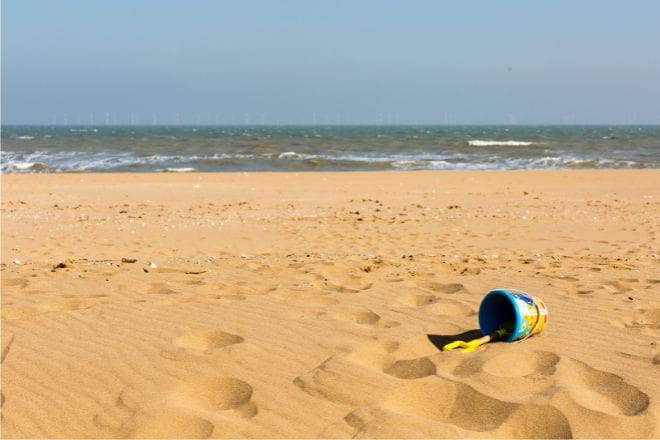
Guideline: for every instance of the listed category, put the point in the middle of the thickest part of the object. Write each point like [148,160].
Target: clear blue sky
[301,61]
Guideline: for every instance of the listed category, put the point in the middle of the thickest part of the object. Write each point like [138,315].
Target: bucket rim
[509,297]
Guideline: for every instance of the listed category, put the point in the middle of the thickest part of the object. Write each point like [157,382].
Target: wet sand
[288,305]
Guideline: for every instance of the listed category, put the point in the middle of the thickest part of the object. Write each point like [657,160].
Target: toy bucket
[510,308]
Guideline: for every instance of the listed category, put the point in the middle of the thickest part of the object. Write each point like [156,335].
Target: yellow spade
[472,345]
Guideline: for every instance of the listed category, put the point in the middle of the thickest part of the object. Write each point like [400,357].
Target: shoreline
[338,172]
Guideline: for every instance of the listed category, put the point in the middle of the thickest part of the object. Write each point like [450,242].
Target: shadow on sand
[441,340]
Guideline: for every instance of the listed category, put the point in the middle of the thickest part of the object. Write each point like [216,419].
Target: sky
[330,62]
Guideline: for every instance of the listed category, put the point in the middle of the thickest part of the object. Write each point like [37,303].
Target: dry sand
[314,305]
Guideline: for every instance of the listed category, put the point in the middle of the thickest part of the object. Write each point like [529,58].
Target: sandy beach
[304,305]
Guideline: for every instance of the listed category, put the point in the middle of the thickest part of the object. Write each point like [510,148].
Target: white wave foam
[408,163]
[23,165]
[480,143]
[288,155]
[26,138]
[179,170]
[29,166]
[76,161]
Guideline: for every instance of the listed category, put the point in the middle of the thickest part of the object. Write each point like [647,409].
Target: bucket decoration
[510,315]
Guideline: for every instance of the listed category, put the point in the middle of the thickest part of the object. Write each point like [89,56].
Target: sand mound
[207,340]
[216,394]
[520,363]
[411,368]
[174,426]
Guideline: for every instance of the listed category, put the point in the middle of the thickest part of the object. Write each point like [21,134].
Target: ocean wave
[420,164]
[25,138]
[481,143]
[70,161]
[29,166]
[107,161]
[500,163]
[288,155]
[82,161]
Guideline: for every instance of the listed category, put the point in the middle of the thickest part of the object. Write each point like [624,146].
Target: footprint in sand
[585,292]
[173,426]
[206,340]
[418,300]
[389,383]
[49,306]
[367,317]
[342,381]
[160,289]
[450,288]
[192,282]
[500,370]
[363,375]
[647,318]
[200,346]
[592,400]
[601,404]
[644,318]
[522,363]
[615,287]
[458,404]
[20,283]
[406,360]
[225,395]
[411,368]
[602,391]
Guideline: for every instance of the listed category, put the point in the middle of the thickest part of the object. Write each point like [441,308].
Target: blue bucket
[522,314]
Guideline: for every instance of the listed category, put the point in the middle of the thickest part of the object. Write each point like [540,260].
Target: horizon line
[572,124]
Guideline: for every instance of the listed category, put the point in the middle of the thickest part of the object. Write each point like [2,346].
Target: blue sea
[54,149]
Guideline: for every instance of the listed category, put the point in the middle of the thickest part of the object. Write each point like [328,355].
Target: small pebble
[16,261]
[128,260]
[153,265]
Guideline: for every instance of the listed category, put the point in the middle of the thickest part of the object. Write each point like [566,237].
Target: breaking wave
[480,143]
[79,161]
[52,149]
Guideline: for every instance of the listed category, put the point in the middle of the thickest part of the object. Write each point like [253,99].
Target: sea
[59,149]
